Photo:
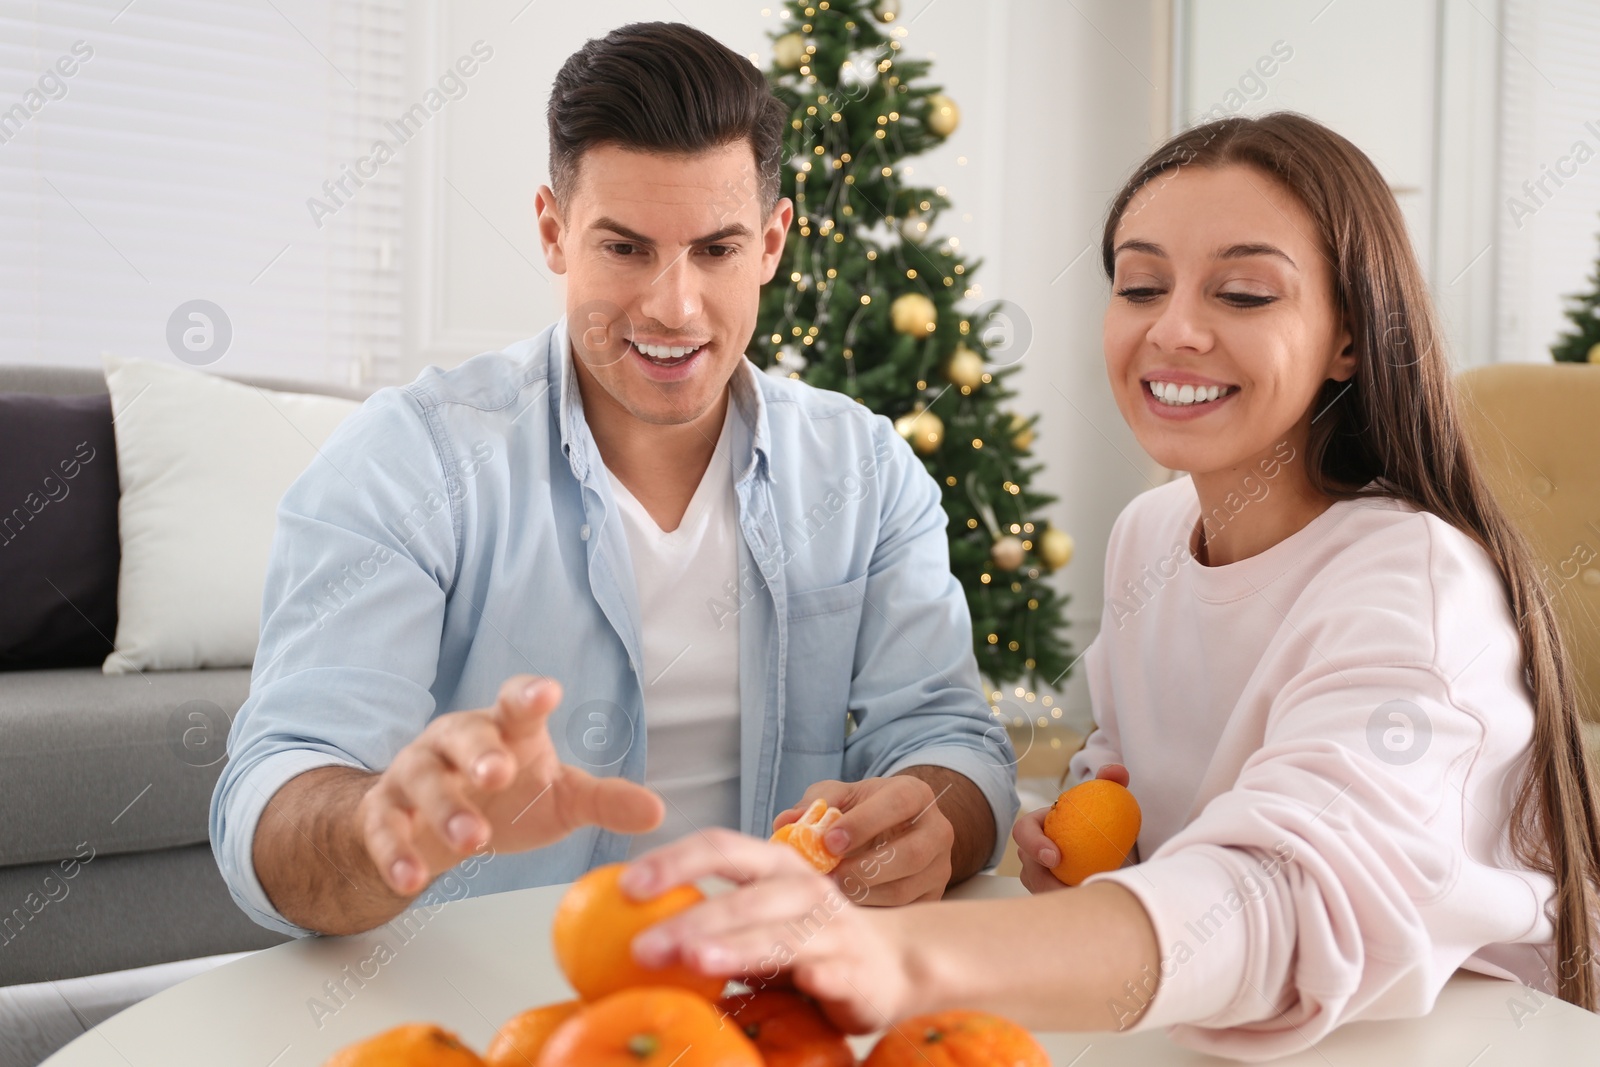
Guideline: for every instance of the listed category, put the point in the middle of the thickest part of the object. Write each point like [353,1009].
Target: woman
[1324,659]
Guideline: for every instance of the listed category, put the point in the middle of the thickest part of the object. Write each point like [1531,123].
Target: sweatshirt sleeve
[1357,860]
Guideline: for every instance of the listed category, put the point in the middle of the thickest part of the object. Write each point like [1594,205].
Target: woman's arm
[1083,959]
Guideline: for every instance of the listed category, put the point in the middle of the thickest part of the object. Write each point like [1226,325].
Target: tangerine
[957,1039]
[788,1029]
[805,834]
[648,1026]
[594,928]
[1095,825]
[523,1035]
[412,1045]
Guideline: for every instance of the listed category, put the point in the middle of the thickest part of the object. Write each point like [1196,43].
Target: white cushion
[202,463]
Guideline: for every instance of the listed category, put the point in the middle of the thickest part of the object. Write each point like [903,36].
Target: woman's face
[1221,289]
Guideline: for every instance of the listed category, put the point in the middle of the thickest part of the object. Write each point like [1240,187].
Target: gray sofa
[76,744]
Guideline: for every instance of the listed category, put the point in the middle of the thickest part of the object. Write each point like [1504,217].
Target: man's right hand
[489,776]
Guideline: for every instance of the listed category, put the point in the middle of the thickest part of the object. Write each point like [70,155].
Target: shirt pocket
[823,626]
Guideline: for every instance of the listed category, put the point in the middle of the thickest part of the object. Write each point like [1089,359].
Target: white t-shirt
[690,673]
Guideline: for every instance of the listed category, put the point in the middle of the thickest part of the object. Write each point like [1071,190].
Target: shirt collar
[751,442]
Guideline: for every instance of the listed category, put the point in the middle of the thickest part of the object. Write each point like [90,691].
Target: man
[741,582]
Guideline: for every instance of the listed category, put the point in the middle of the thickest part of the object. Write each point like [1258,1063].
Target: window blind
[159,152]
[1549,214]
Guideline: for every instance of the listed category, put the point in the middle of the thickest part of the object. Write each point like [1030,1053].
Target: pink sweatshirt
[1324,739]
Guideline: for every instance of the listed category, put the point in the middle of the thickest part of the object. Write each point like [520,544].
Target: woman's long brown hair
[1396,422]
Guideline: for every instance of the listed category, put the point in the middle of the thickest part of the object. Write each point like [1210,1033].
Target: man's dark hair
[663,87]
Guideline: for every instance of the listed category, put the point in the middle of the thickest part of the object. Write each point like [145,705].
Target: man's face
[664,257]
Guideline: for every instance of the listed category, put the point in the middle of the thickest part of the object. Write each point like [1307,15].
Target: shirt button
[583,531]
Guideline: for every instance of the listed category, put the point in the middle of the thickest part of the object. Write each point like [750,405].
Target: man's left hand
[894,839]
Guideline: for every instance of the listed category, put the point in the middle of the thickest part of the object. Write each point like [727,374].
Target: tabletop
[472,964]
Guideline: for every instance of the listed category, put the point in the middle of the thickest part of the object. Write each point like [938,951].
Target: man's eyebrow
[1240,251]
[738,229]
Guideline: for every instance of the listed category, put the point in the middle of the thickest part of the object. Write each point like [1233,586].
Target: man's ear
[773,237]
[552,230]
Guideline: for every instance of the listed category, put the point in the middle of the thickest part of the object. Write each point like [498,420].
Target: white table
[477,962]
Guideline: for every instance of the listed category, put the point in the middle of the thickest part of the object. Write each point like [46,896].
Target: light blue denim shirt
[460,529]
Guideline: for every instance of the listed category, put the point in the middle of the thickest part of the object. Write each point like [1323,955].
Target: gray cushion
[117,912]
[125,762]
[75,381]
[51,380]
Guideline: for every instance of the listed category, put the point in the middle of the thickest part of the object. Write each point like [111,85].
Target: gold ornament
[1594,354]
[913,314]
[1008,553]
[789,51]
[943,115]
[923,429]
[965,368]
[1021,433]
[886,10]
[1054,548]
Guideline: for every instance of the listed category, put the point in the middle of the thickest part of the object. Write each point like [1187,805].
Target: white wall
[1413,83]
[1059,101]
[1363,67]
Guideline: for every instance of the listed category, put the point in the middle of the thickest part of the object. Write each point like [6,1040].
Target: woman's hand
[1038,853]
[782,916]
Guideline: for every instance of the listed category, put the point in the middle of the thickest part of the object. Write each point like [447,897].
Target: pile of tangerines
[626,1015]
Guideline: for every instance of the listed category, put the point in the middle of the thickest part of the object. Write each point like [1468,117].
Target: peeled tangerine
[1094,825]
[805,835]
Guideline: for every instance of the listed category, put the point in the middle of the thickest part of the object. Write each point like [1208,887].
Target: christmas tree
[1582,343]
[868,301]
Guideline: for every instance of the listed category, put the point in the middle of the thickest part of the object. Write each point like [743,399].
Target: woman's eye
[1247,300]
[1138,294]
